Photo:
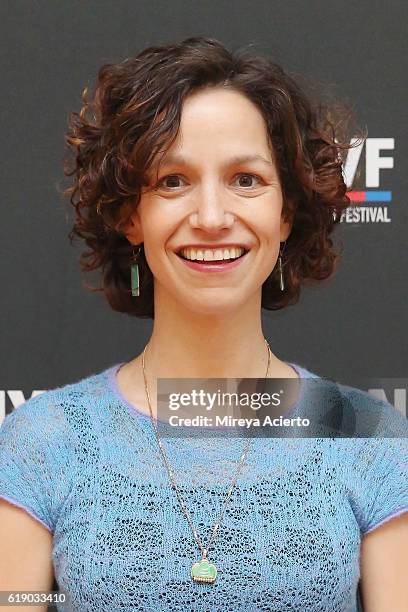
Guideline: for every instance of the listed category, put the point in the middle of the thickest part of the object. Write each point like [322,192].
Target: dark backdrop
[52,330]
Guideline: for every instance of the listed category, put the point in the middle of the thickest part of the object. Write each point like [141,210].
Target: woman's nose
[210,213]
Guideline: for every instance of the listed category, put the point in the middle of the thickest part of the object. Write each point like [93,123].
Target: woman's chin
[214,304]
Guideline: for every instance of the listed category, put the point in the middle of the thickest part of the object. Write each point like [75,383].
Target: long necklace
[203,570]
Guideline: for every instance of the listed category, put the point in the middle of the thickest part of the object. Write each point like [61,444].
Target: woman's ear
[285,229]
[129,222]
[286,224]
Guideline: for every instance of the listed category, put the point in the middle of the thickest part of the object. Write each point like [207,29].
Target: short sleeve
[32,458]
[378,476]
[386,490]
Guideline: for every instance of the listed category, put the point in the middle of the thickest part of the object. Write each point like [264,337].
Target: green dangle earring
[281,281]
[134,273]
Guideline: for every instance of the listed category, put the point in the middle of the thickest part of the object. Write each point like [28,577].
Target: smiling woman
[214,194]
[206,186]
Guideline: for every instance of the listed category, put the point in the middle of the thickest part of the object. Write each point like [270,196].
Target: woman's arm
[25,554]
[384,567]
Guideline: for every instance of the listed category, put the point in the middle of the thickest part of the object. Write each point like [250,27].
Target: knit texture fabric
[86,464]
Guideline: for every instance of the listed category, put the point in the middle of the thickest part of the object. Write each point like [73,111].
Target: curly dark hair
[135,113]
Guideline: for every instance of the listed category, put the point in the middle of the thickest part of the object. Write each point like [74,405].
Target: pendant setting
[204,571]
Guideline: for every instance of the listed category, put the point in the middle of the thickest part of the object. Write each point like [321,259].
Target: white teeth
[211,254]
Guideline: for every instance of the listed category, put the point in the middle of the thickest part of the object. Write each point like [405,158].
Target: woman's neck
[187,344]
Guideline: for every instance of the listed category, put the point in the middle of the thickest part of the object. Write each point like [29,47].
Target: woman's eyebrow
[236,159]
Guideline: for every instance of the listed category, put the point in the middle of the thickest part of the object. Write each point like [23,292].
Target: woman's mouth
[214,260]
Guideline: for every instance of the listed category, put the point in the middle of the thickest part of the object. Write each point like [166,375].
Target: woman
[187,156]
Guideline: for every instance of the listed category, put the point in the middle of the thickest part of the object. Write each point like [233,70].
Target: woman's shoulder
[368,448]
[350,411]
[40,444]
[57,409]
[374,459]
[374,416]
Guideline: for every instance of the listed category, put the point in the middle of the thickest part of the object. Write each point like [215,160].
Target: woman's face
[218,190]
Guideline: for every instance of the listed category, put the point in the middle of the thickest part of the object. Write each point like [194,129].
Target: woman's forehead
[221,126]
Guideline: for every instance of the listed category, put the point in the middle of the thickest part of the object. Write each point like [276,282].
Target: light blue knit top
[86,464]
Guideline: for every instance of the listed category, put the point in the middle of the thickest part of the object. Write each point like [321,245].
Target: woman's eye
[173,178]
[247,183]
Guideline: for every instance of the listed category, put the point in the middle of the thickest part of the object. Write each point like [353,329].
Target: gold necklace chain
[201,571]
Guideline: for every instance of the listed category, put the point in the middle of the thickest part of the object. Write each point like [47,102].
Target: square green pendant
[204,571]
[135,280]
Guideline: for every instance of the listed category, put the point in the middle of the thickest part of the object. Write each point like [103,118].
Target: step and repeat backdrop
[351,329]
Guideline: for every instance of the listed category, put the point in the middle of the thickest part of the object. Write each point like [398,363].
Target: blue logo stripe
[378,196]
